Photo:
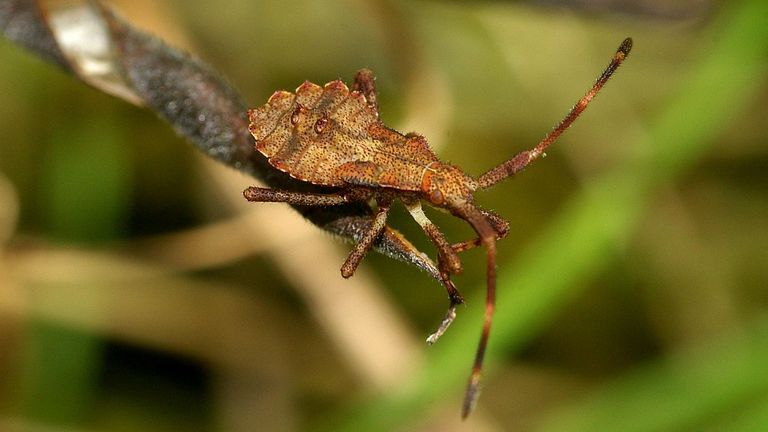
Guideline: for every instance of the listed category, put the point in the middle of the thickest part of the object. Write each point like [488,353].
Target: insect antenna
[520,161]
[487,234]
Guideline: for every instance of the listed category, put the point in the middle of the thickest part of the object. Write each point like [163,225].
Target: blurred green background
[139,292]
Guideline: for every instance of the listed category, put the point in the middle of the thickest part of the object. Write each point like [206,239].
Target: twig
[89,41]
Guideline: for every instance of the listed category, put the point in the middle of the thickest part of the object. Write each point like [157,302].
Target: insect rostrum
[332,136]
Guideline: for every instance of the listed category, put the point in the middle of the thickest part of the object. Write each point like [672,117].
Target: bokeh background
[138,291]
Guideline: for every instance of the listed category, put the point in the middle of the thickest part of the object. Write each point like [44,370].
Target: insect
[331,136]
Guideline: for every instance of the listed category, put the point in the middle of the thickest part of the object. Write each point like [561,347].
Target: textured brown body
[331,136]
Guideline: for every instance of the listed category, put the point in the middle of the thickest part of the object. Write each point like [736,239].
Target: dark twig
[182,90]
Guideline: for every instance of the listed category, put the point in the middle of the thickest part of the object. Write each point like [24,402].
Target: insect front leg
[499,225]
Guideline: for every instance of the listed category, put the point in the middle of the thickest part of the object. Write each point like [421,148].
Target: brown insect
[331,136]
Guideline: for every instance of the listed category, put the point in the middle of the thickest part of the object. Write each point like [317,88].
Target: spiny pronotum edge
[331,136]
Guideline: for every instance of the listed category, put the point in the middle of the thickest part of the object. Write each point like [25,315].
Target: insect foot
[331,136]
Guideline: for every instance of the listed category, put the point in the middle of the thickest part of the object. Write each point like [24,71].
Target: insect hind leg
[259,194]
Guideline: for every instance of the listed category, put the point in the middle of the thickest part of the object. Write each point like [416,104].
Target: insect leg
[365,83]
[447,257]
[499,225]
[519,162]
[456,299]
[258,194]
[364,245]
[448,262]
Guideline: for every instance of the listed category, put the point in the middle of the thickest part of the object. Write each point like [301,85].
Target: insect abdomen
[311,133]
[331,136]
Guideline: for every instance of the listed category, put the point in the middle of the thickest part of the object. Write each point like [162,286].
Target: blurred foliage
[632,286]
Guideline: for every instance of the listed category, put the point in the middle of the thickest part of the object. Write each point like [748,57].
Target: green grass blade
[583,237]
[686,392]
